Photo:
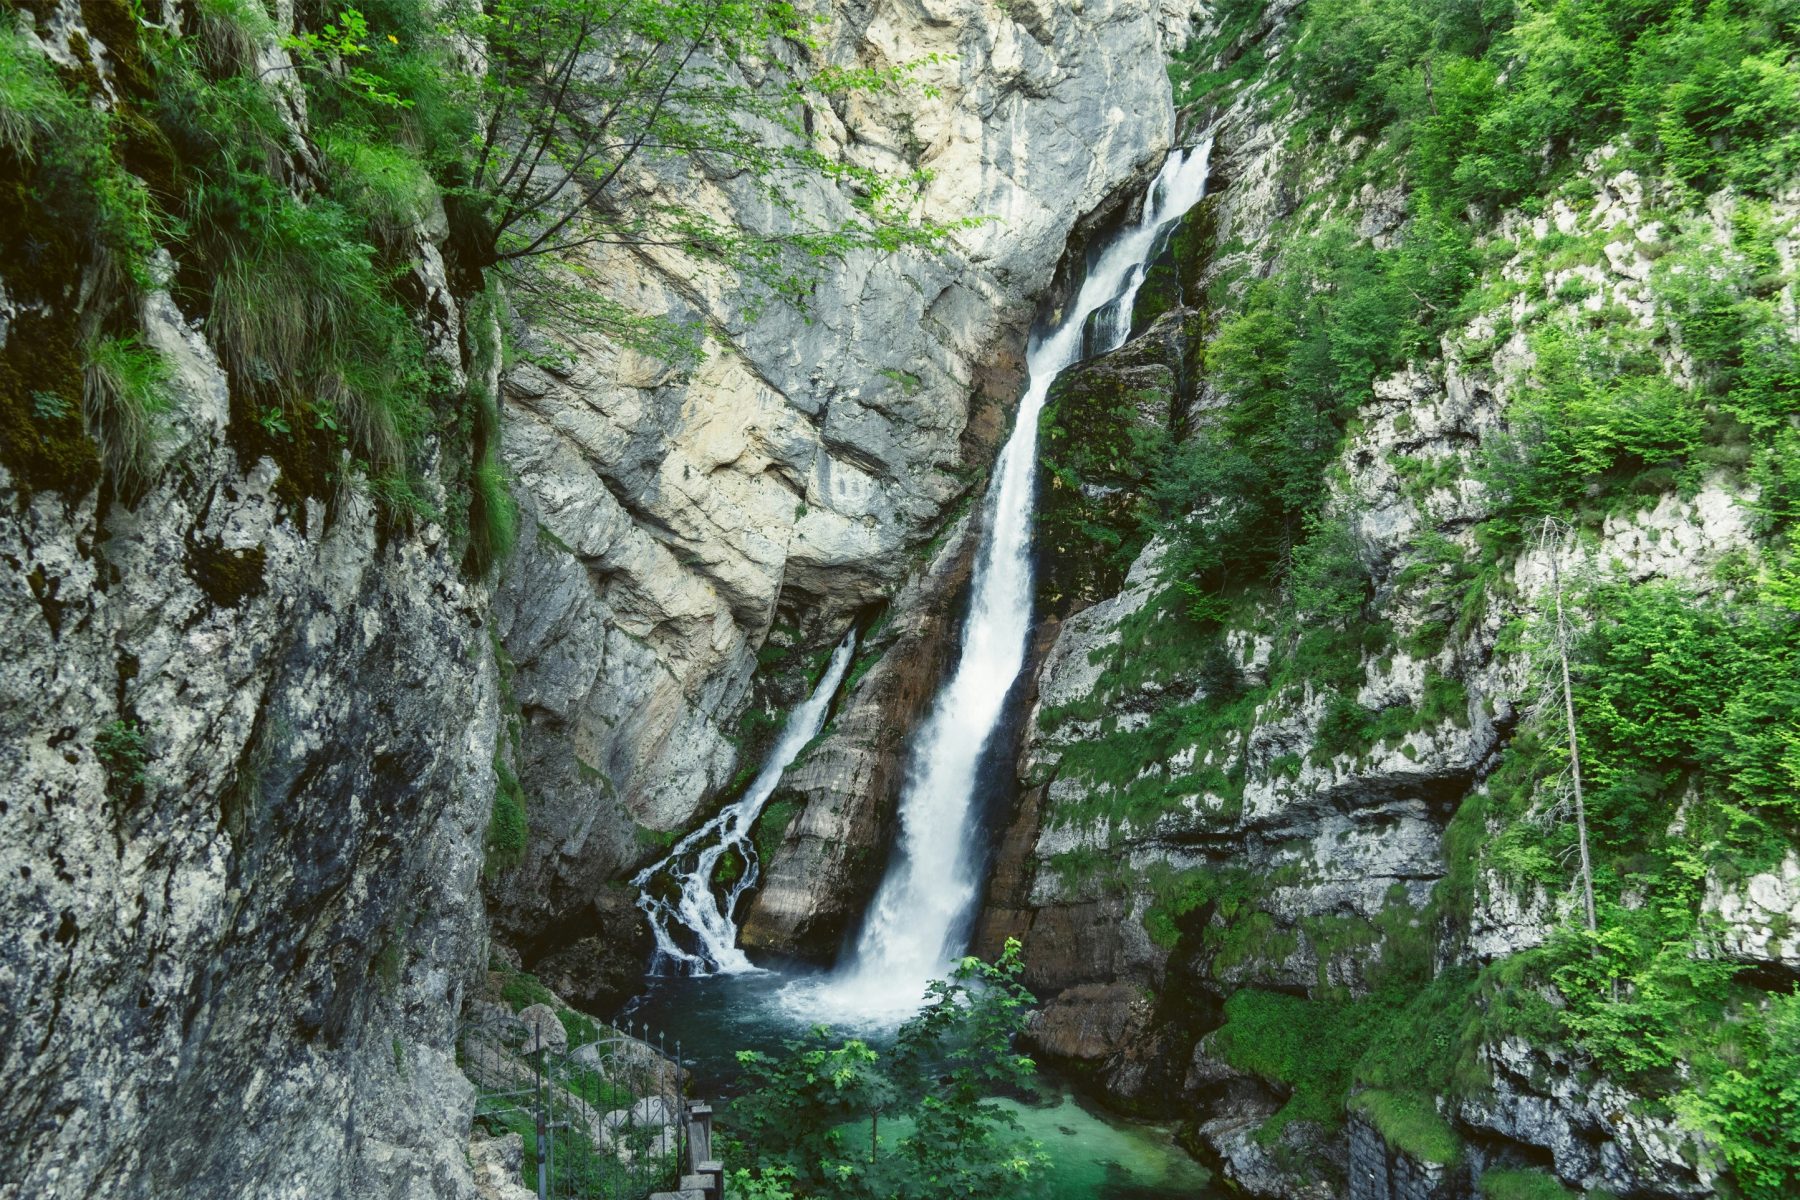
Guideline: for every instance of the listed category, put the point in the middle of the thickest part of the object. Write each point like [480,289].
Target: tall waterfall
[920,917]
[696,906]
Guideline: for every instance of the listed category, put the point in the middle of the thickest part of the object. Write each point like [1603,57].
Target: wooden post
[699,1139]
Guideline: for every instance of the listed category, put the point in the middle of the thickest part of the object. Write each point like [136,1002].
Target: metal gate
[603,1120]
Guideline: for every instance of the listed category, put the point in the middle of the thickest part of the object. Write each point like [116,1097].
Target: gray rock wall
[246,733]
[237,973]
[799,472]
[1379,1172]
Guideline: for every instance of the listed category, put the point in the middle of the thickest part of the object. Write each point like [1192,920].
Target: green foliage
[126,388]
[1685,710]
[521,989]
[1639,1000]
[123,748]
[581,1028]
[1128,773]
[387,185]
[1328,583]
[1308,1046]
[1174,895]
[1725,306]
[1600,422]
[333,49]
[504,847]
[1522,1185]
[1678,687]
[1297,358]
[1748,1108]
[556,145]
[803,1118]
[1206,67]
[69,174]
[493,516]
[1409,1122]
[304,318]
[1708,92]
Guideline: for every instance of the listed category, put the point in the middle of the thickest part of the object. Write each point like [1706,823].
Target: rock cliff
[262,698]
[805,473]
[246,729]
[1244,820]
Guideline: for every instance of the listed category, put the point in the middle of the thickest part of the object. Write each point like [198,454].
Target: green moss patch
[1409,1122]
[1522,1185]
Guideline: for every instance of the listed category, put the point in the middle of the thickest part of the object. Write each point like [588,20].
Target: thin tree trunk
[1562,655]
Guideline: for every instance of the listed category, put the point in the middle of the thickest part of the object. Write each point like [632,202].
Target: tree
[1551,528]
[584,109]
[803,1119]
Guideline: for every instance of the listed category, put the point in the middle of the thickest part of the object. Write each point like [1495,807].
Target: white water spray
[920,916]
[696,906]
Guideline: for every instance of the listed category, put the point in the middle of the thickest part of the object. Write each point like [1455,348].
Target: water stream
[696,911]
[919,920]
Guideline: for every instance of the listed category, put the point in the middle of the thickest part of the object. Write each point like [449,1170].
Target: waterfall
[919,919]
[696,907]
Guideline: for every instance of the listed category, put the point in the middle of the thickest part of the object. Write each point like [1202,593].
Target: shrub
[507,822]
[125,389]
[123,748]
[1598,417]
[1748,1109]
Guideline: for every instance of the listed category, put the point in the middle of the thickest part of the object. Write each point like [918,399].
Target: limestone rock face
[246,739]
[1598,1136]
[1145,824]
[1761,916]
[799,470]
[1379,1172]
[246,750]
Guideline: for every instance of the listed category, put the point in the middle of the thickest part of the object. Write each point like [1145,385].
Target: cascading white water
[920,915]
[696,906]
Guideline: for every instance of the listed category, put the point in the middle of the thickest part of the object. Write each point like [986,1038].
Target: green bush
[1708,92]
[1296,359]
[1310,1047]
[123,748]
[915,1120]
[1600,423]
[1748,1108]
[125,391]
[1676,689]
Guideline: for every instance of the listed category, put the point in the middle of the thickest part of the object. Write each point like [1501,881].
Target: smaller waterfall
[696,906]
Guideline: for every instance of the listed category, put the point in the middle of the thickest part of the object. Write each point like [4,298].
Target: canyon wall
[809,470]
[261,700]
[246,729]
[1242,832]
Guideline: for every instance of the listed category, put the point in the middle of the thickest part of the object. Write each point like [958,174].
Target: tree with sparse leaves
[597,121]
[812,1120]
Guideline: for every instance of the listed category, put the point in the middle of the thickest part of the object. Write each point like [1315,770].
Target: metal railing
[601,1120]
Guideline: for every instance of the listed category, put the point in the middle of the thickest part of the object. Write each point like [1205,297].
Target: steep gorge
[1268,843]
